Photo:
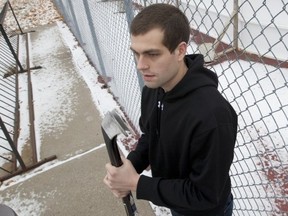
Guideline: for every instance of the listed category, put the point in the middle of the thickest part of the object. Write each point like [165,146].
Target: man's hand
[121,180]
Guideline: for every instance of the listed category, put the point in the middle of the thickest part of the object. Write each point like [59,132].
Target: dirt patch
[27,155]
[277,175]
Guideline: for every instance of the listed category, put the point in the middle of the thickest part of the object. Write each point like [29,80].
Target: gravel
[30,14]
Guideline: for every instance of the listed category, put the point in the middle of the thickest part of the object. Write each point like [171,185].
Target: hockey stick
[113,125]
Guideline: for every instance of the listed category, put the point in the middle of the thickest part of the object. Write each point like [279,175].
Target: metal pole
[94,36]
[31,106]
[236,27]
[129,17]
[75,23]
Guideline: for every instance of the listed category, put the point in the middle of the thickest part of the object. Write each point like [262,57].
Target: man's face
[158,67]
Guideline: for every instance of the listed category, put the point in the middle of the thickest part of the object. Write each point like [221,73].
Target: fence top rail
[3,13]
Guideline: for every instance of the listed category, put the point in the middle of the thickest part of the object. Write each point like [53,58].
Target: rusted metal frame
[4,168]
[33,166]
[17,106]
[31,104]
[3,147]
[19,69]
[11,143]
[7,159]
[10,47]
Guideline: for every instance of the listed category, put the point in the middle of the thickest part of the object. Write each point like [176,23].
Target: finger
[125,161]
[106,180]
[108,166]
[111,170]
[120,194]
[116,194]
[123,158]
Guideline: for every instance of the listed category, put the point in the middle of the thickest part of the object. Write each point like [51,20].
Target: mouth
[148,77]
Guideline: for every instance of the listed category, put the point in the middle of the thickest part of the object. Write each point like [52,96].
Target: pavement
[73,185]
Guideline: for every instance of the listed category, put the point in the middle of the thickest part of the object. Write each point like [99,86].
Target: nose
[141,63]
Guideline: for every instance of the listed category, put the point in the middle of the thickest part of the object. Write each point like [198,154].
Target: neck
[181,73]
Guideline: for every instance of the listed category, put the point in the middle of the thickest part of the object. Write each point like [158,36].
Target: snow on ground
[29,13]
[103,100]
[46,14]
[31,206]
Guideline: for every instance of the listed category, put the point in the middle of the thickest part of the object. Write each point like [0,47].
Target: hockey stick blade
[113,125]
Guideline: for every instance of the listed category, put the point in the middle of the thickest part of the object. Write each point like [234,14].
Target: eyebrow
[146,51]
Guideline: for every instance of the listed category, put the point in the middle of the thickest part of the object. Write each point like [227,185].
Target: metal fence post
[235,27]
[75,21]
[94,36]
[129,17]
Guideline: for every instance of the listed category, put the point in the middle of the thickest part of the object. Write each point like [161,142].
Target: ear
[182,48]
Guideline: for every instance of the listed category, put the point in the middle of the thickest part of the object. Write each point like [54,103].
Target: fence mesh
[245,43]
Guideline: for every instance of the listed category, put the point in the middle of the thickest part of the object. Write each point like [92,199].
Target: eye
[153,54]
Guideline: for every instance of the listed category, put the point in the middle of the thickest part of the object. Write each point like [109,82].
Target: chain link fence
[246,44]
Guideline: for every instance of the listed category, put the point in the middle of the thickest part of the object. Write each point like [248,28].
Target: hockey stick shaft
[116,161]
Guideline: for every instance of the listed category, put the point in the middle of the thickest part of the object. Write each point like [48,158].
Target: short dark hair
[168,18]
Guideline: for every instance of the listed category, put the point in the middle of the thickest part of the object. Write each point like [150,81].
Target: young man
[189,129]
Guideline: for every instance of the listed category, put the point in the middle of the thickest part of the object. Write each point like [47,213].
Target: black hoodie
[188,139]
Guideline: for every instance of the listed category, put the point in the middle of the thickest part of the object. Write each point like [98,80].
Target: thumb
[123,159]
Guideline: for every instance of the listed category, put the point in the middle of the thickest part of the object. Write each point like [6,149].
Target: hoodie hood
[196,77]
